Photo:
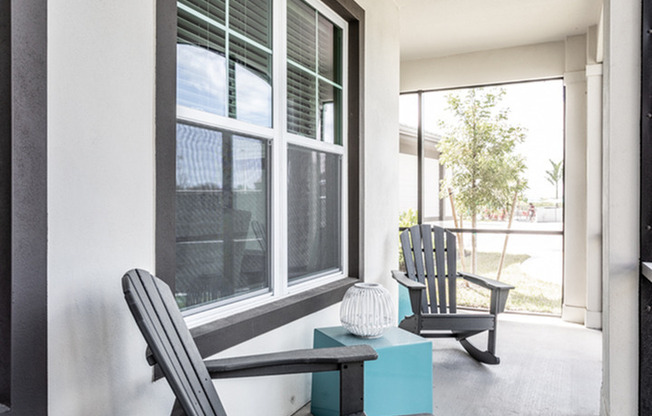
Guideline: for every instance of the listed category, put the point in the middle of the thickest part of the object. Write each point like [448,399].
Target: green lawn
[530,294]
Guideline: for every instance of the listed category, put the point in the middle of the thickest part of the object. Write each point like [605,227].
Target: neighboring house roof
[408,141]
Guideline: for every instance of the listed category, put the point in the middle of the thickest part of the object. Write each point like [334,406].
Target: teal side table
[404,305]
[398,382]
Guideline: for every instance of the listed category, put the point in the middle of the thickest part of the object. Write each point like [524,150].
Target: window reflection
[329,118]
[201,79]
[222,213]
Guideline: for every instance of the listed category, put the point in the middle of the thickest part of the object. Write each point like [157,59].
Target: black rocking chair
[431,261]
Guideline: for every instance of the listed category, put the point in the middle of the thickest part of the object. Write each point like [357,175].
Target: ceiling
[435,28]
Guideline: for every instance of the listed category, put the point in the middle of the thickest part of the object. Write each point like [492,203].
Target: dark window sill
[221,334]
[224,333]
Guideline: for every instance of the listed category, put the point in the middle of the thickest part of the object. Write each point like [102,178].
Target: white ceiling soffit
[435,28]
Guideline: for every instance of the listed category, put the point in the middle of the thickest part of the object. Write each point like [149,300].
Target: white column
[621,185]
[593,317]
[574,306]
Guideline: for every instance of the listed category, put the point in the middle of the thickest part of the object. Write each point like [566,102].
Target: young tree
[479,150]
[555,175]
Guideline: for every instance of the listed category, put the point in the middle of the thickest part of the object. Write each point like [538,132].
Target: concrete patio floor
[548,367]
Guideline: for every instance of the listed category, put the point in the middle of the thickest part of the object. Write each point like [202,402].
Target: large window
[260,200]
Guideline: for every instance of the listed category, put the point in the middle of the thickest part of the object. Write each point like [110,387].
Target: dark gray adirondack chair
[432,268]
[172,347]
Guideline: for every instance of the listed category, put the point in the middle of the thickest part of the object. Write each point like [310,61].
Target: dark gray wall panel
[5,200]
[645,294]
[29,383]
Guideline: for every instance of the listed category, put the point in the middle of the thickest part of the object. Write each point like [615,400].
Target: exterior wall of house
[380,148]
[101,204]
[621,190]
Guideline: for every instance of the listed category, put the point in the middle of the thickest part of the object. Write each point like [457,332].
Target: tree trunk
[474,241]
[509,226]
[460,241]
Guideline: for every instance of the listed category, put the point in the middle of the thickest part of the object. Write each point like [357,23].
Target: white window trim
[280,139]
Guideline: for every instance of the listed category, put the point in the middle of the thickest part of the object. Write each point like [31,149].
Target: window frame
[211,333]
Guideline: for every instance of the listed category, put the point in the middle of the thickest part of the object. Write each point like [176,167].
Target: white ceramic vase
[367,310]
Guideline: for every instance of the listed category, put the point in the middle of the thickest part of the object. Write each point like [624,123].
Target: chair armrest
[290,362]
[417,296]
[499,291]
[400,277]
[485,281]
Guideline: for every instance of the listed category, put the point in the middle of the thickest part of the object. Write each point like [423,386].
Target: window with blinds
[224,58]
[235,145]
[314,74]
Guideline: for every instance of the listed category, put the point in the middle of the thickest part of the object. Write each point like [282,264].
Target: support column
[593,317]
[575,193]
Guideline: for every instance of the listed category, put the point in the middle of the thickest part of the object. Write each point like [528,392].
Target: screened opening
[491,168]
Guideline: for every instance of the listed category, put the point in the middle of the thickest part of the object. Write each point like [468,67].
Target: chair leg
[352,389]
[487,357]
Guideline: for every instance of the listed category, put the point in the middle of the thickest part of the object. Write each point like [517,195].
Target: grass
[530,294]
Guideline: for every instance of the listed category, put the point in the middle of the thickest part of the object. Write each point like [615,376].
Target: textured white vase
[367,310]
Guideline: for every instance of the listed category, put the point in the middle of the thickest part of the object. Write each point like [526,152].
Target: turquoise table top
[393,337]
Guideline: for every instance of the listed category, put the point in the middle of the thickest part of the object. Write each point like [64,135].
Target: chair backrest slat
[426,241]
[164,346]
[451,270]
[413,255]
[440,259]
[171,343]
[433,264]
[408,255]
[417,249]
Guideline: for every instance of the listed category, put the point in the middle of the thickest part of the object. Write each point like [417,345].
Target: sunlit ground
[531,294]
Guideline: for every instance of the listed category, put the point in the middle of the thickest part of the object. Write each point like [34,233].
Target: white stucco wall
[621,140]
[521,63]
[101,208]
[100,203]
[380,166]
